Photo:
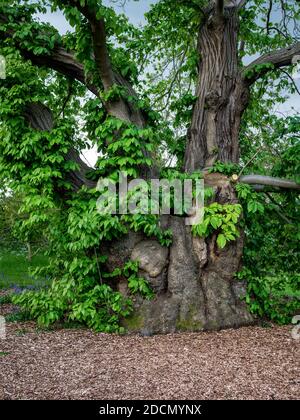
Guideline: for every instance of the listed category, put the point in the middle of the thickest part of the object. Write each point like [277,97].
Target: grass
[14,270]
[5,299]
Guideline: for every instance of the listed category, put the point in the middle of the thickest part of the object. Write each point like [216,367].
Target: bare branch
[292,80]
[273,28]
[284,17]
[281,213]
[261,180]
[278,59]
[269,15]
[66,100]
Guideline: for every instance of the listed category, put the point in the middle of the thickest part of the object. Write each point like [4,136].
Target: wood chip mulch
[247,363]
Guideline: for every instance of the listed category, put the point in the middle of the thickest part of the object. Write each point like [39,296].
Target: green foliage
[276,297]
[137,284]
[271,254]
[249,73]
[252,199]
[225,168]
[289,163]
[96,305]
[5,299]
[221,219]
[126,152]
[21,316]
[171,174]
[149,225]
[77,292]
[13,239]
[9,207]
[89,302]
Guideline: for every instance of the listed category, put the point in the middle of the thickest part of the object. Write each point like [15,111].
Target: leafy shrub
[276,297]
[271,254]
[99,307]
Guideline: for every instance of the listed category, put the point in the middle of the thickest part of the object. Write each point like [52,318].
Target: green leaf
[221,240]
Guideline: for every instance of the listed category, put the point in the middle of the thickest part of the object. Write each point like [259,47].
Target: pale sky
[135,10]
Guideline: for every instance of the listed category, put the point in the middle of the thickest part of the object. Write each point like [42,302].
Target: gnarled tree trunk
[222,94]
[193,279]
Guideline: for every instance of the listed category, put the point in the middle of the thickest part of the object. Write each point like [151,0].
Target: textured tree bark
[268,181]
[222,94]
[193,279]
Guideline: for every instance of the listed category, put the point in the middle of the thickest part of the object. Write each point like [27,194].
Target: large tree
[173,91]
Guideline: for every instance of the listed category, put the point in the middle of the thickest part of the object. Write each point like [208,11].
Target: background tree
[8,210]
[14,233]
[175,91]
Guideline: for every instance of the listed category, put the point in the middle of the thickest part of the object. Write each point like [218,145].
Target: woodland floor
[248,363]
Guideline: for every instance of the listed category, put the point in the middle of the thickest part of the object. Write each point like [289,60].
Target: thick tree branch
[99,42]
[101,54]
[120,109]
[63,62]
[59,60]
[278,59]
[261,181]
